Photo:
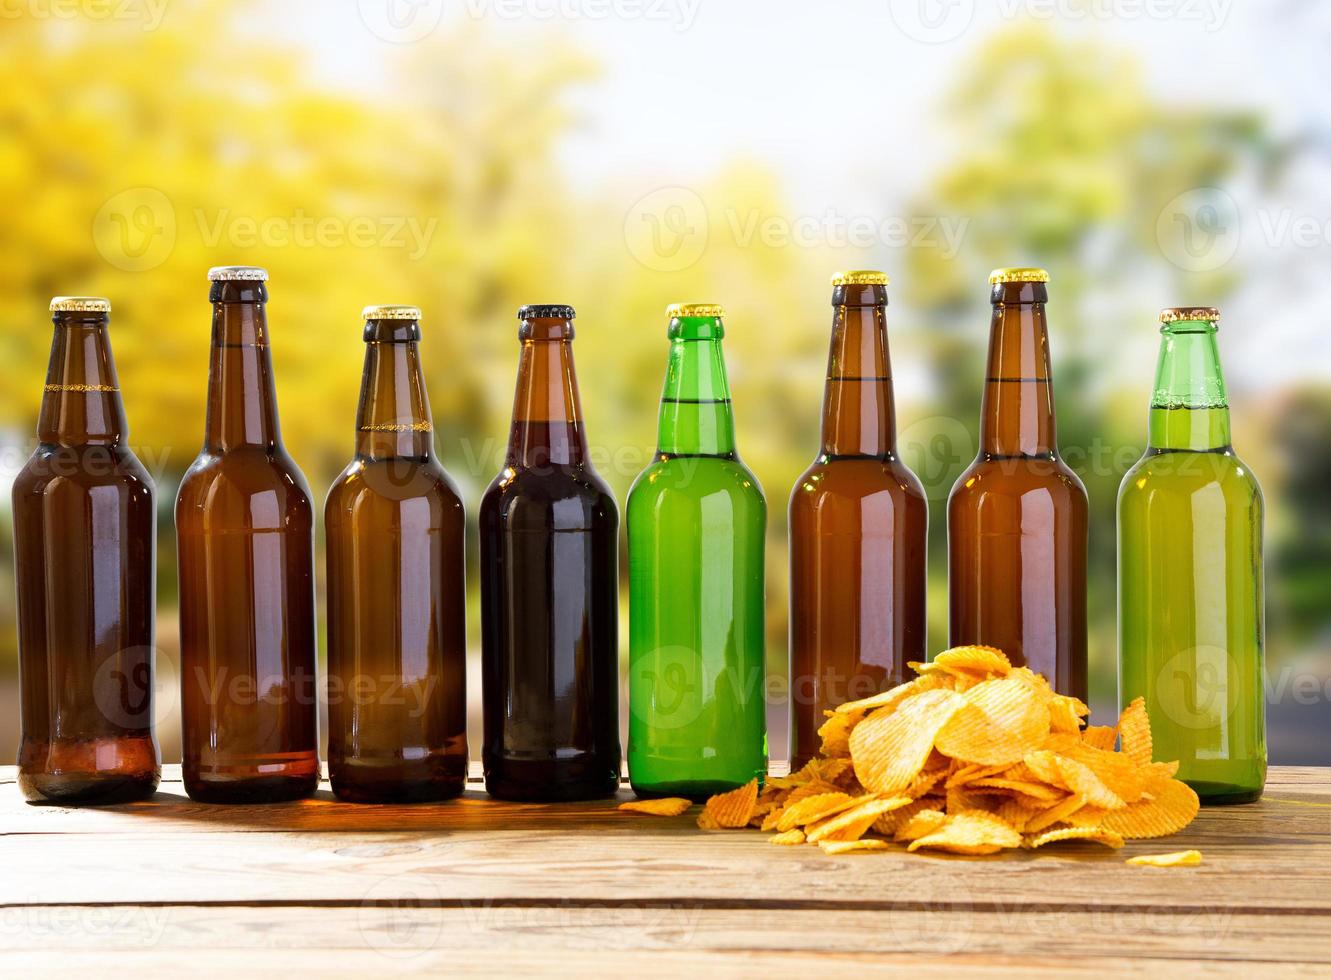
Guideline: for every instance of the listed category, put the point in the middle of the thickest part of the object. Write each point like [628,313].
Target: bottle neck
[81,400]
[1017,416]
[1189,409]
[393,420]
[696,415]
[547,414]
[242,403]
[859,414]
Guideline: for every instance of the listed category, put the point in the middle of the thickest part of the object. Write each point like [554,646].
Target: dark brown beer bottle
[244,531]
[84,545]
[549,589]
[397,644]
[858,528]
[1016,519]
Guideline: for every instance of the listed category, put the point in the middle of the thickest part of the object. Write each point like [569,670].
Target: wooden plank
[654,859]
[405,934]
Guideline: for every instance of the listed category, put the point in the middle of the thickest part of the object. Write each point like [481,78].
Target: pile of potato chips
[972,757]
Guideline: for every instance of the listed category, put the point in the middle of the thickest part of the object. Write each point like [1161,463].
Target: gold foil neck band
[81,388]
[398,427]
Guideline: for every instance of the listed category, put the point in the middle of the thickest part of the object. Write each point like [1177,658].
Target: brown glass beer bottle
[549,533]
[244,533]
[1016,518]
[397,644]
[858,529]
[84,545]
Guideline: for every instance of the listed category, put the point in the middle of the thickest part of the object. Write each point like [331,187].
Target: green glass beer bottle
[696,526]
[1190,575]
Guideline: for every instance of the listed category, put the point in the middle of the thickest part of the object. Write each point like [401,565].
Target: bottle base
[87,789]
[418,782]
[267,783]
[550,781]
[1218,794]
[699,791]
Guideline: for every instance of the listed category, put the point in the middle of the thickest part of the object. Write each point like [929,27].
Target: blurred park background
[470,156]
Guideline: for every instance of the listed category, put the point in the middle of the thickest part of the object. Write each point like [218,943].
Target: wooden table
[475,886]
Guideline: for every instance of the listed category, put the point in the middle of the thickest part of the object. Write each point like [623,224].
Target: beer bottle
[84,545]
[549,534]
[244,538]
[858,527]
[1016,518]
[1190,575]
[397,645]
[696,525]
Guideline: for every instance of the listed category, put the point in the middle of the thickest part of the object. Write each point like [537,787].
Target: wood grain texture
[476,885]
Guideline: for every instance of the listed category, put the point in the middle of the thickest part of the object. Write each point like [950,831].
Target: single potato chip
[1100,737]
[846,846]
[671,806]
[1134,728]
[1081,779]
[789,837]
[1172,808]
[813,808]
[889,751]
[1176,859]
[970,832]
[735,808]
[1097,834]
[922,823]
[980,660]
[1001,721]
[835,733]
[854,823]
[1055,814]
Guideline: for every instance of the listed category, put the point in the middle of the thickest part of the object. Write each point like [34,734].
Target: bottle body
[549,539]
[697,522]
[84,545]
[397,651]
[697,719]
[244,529]
[858,550]
[1018,516]
[858,531]
[1191,613]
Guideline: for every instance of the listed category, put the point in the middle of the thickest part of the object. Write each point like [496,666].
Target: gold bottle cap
[861,277]
[80,304]
[676,310]
[1175,314]
[1018,274]
[234,273]
[389,311]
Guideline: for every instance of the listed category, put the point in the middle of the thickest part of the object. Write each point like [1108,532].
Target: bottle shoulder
[1015,477]
[1186,473]
[553,497]
[856,478]
[54,469]
[393,485]
[695,477]
[244,488]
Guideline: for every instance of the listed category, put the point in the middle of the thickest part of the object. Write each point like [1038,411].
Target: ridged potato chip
[970,832]
[971,660]
[1171,809]
[889,751]
[1096,834]
[1134,728]
[854,823]
[733,809]
[792,836]
[1001,721]
[835,733]
[846,846]
[1176,859]
[922,823]
[1100,737]
[813,808]
[1081,779]
[671,806]
[1055,814]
